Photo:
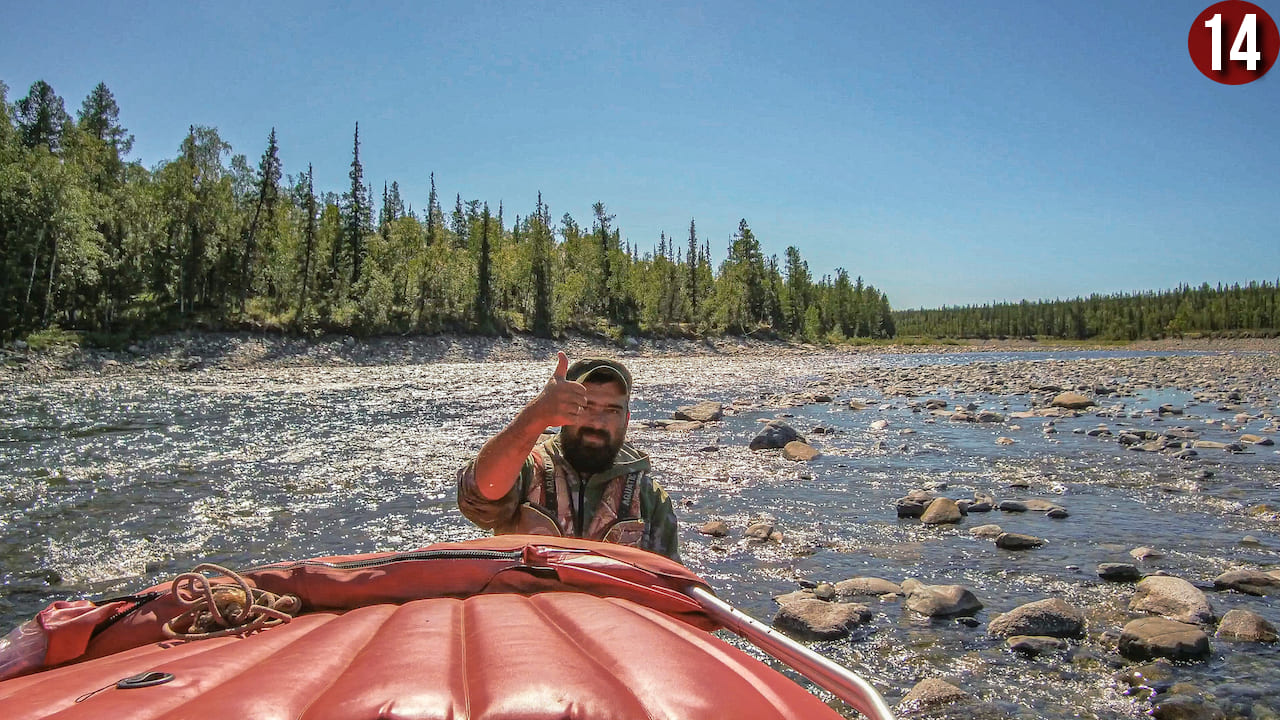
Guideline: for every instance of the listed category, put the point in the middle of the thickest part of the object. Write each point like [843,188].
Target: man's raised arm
[560,403]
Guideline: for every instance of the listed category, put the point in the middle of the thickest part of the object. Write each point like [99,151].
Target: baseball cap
[588,367]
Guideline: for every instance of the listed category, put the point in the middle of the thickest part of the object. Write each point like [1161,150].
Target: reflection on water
[111,485]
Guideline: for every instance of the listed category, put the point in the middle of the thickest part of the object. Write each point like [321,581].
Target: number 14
[1245,47]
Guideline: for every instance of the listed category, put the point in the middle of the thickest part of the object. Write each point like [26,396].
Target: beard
[589,459]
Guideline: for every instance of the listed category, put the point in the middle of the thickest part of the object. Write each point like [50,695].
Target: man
[585,482]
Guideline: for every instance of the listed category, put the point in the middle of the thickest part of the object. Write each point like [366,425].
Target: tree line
[93,242]
[1252,309]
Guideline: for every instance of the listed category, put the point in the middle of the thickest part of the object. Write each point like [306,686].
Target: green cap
[588,367]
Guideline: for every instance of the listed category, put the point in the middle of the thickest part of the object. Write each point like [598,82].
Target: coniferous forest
[93,242]
[1251,310]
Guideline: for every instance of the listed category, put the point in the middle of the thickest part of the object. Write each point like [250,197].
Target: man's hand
[561,402]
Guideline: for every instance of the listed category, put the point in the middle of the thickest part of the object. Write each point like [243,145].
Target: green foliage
[1253,309]
[96,243]
[53,337]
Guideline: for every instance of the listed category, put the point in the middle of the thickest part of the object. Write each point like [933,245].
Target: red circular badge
[1233,42]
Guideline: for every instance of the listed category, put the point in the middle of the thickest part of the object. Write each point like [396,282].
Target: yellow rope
[233,608]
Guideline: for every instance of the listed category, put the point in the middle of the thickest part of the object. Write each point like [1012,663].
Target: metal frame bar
[825,673]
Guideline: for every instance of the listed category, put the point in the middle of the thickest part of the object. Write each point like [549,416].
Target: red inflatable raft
[511,627]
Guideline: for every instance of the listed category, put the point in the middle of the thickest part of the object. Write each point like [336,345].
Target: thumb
[562,366]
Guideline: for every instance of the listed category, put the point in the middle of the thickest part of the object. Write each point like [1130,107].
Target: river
[113,483]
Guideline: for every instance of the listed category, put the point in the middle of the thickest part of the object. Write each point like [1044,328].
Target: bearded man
[586,481]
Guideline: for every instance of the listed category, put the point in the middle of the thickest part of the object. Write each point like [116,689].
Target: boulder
[1154,637]
[1251,582]
[1071,401]
[714,528]
[1034,645]
[879,424]
[1017,541]
[942,600]
[931,693]
[1052,617]
[1040,505]
[796,450]
[914,503]
[865,586]
[1005,441]
[1119,572]
[941,511]
[1186,707]
[1173,598]
[1012,506]
[706,411]
[987,531]
[820,620]
[684,425]
[1245,626]
[776,434]
[1256,440]
[759,531]
[1145,553]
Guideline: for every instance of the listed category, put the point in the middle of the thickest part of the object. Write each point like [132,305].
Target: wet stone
[1035,645]
[707,411]
[930,694]
[813,619]
[942,600]
[1119,572]
[1250,582]
[714,528]
[1052,617]
[1173,598]
[1244,625]
[941,511]
[1154,637]
[1018,541]
[776,434]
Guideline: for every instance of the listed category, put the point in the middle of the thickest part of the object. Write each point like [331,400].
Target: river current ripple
[112,484]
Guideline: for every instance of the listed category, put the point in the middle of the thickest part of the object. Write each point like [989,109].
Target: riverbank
[188,351]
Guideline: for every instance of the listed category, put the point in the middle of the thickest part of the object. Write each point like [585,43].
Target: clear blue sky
[948,152]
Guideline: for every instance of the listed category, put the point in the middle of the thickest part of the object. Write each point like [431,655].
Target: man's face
[592,444]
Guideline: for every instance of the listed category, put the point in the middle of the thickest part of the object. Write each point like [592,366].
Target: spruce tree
[484,292]
[357,211]
[308,245]
[269,173]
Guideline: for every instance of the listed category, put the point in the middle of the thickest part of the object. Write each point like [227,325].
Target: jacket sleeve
[661,531]
[491,514]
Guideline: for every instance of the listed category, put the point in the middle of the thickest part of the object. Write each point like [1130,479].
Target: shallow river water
[108,485]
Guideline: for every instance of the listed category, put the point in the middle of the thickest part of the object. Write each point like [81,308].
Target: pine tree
[42,117]
[269,172]
[357,211]
[100,117]
[484,292]
[308,245]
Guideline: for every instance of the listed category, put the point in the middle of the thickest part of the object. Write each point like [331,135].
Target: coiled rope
[233,608]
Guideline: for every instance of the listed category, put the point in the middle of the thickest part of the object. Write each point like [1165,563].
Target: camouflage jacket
[622,504]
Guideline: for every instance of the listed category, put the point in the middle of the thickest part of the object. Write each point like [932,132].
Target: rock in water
[1119,572]
[714,528]
[1251,582]
[1173,598]
[863,586]
[1071,401]
[707,411]
[820,620]
[942,600]
[776,434]
[987,531]
[941,511]
[1052,617]
[796,450]
[1034,645]
[1017,541]
[931,693]
[1153,637]
[1246,626]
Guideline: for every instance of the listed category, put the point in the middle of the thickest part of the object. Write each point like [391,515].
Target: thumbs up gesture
[562,401]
